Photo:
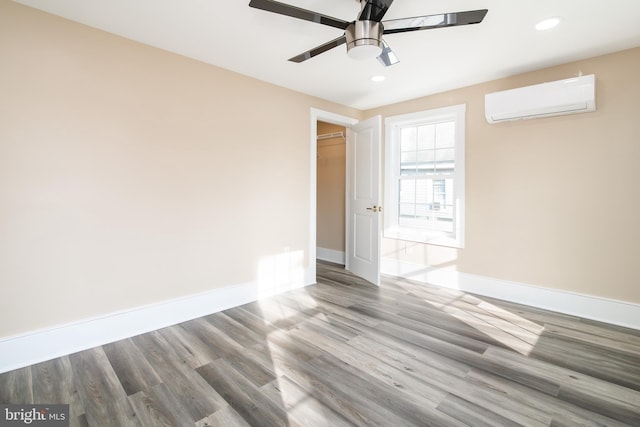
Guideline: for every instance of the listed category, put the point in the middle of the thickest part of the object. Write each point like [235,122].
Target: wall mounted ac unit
[570,96]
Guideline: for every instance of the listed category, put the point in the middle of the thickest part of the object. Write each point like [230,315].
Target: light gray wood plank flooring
[343,352]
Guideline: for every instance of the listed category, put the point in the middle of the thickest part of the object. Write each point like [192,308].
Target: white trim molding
[587,306]
[46,344]
[316,114]
[331,255]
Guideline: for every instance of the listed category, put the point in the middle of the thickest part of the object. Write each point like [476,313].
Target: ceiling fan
[364,35]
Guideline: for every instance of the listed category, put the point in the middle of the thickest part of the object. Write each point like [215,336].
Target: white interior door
[363,194]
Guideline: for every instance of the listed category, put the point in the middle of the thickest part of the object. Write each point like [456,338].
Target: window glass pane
[426,137]
[407,209]
[445,154]
[427,149]
[426,203]
[408,159]
[427,156]
[408,139]
[445,133]
[425,162]
[422,191]
[422,210]
[449,194]
[445,160]
[407,191]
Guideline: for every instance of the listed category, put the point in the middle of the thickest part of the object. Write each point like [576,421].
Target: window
[424,176]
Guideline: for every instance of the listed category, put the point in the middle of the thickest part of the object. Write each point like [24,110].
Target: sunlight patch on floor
[503,326]
[277,310]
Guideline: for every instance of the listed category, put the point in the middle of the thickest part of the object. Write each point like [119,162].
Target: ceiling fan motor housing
[364,39]
[363,36]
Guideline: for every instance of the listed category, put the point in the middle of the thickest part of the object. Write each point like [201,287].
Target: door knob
[375,208]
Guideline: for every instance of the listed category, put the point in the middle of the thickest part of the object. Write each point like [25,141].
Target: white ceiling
[229,34]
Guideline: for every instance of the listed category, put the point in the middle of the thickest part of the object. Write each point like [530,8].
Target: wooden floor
[345,353]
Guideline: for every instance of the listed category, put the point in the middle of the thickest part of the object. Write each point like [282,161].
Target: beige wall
[331,189]
[552,202]
[129,175]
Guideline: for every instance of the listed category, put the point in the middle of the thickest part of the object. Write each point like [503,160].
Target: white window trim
[392,164]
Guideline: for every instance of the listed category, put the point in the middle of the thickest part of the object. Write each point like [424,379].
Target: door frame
[337,119]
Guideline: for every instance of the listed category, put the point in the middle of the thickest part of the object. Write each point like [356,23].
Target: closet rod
[331,135]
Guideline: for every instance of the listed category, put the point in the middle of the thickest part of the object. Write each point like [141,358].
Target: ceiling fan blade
[296,12]
[429,22]
[319,49]
[374,10]
[387,57]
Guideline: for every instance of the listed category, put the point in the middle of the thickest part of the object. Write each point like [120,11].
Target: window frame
[393,126]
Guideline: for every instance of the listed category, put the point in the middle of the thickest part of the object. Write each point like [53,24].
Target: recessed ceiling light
[378,78]
[547,24]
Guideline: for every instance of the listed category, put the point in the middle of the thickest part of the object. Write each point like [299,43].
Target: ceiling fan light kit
[363,36]
[364,39]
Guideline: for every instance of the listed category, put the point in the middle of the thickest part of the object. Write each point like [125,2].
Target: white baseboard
[586,306]
[46,344]
[38,346]
[324,254]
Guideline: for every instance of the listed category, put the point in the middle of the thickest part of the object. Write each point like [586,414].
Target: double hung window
[424,176]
